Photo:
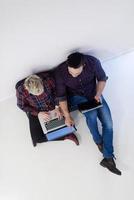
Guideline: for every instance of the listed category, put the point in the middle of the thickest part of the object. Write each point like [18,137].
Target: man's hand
[69,121]
[64,107]
[97,98]
[45,116]
[100,88]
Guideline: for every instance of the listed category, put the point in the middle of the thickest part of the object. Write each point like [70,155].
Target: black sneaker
[100,147]
[110,165]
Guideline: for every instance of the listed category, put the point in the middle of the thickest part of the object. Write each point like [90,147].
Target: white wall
[38,34]
[120,94]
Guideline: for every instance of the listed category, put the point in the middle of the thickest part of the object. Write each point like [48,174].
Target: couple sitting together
[78,79]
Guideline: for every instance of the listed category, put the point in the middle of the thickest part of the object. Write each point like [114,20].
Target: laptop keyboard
[55,123]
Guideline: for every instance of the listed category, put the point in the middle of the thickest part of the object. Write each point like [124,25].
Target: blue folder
[60,132]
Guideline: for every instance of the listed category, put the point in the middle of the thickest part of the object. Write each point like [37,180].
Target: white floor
[62,170]
[59,170]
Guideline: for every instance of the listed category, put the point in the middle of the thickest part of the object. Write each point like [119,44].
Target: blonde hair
[34,85]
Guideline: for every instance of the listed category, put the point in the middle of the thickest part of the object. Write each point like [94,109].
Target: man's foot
[100,147]
[72,137]
[110,165]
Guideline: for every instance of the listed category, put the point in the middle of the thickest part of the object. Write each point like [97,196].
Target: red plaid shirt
[33,103]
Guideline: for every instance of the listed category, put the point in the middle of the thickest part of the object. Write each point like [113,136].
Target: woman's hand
[58,113]
[45,116]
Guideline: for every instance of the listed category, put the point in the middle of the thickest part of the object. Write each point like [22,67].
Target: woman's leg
[36,131]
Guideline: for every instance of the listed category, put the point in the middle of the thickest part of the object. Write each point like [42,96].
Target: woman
[36,96]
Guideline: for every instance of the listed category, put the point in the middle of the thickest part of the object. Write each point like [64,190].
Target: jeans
[104,115]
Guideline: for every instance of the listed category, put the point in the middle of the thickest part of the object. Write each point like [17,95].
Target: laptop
[89,106]
[55,128]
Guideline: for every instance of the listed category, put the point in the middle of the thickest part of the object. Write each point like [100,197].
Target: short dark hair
[74,60]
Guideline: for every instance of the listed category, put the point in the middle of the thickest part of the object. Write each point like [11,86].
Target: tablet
[89,106]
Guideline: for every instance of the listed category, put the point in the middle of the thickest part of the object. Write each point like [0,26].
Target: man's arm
[64,107]
[61,96]
[101,78]
[99,90]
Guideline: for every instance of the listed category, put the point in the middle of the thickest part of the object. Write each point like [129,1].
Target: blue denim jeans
[104,115]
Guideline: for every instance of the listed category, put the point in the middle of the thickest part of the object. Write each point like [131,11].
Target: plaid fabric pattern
[34,104]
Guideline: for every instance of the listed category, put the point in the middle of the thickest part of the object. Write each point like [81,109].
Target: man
[81,79]
[36,96]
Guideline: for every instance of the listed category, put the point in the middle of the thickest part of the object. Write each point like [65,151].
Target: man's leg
[73,102]
[91,117]
[105,118]
[107,132]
